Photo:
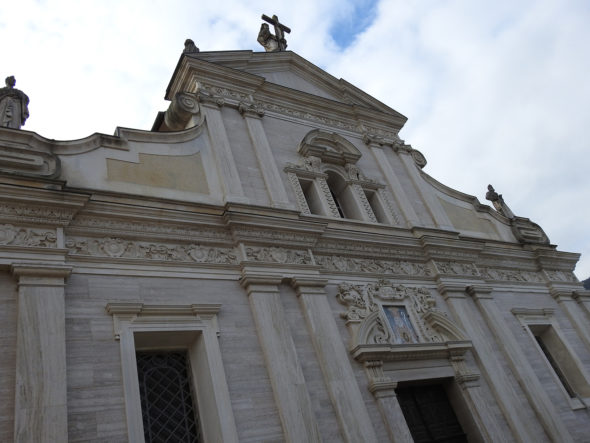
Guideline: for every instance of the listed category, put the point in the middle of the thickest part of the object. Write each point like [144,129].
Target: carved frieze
[516,275]
[121,248]
[27,237]
[561,276]
[369,249]
[36,214]
[456,268]
[339,263]
[167,230]
[267,235]
[278,255]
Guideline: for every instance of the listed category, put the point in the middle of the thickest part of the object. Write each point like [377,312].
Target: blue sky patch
[359,15]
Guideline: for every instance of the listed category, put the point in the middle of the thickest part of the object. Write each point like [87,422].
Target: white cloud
[494,91]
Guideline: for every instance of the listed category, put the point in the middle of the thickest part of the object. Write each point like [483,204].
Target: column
[395,186]
[284,369]
[41,386]
[353,417]
[268,167]
[520,366]
[224,159]
[500,383]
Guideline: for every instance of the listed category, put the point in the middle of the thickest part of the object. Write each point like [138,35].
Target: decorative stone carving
[366,249]
[456,268]
[183,107]
[120,248]
[270,42]
[208,96]
[251,109]
[28,237]
[373,266]
[323,184]
[14,104]
[278,255]
[510,275]
[419,158]
[36,214]
[365,302]
[528,232]
[31,162]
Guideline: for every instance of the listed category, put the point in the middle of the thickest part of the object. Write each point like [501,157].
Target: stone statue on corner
[14,104]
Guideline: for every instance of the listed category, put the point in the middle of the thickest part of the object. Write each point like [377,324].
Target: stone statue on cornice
[14,104]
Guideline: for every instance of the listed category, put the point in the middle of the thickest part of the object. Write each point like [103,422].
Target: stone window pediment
[329,147]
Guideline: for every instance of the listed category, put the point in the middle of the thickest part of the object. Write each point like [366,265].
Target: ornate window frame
[535,320]
[191,327]
[324,154]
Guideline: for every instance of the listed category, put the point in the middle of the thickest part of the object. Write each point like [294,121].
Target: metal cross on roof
[268,40]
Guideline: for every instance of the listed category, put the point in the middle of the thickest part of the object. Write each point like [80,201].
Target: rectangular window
[376,206]
[429,414]
[166,394]
[563,362]
[312,198]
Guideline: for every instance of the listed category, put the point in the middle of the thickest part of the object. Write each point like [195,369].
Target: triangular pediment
[283,73]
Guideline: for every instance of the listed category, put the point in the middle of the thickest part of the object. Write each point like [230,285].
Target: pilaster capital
[581,295]
[209,100]
[40,269]
[478,292]
[309,285]
[40,274]
[260,283]
[451,289]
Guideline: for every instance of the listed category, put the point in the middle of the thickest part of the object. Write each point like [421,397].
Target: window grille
[167,408]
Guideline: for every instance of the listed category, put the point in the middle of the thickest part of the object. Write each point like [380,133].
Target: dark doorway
[429,414]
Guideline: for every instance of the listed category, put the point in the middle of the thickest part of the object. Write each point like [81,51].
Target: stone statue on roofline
[525,231]
[498,202]
[273,42]
[14,103]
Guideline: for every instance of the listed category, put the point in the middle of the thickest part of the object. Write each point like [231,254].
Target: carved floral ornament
[372,328]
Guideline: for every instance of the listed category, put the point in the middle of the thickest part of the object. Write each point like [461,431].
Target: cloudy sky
[495,92]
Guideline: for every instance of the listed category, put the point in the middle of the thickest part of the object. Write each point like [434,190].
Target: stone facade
[273,224]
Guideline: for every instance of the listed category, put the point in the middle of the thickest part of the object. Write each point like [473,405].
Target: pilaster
[224,159]
[430,200]
[41,385]
[286,376]
[567,300]
[395,186]
[353,417]
[268,167]
[383,388]
[520,366]
[499,381]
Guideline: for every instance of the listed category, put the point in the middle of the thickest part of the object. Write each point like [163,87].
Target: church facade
[271,263]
